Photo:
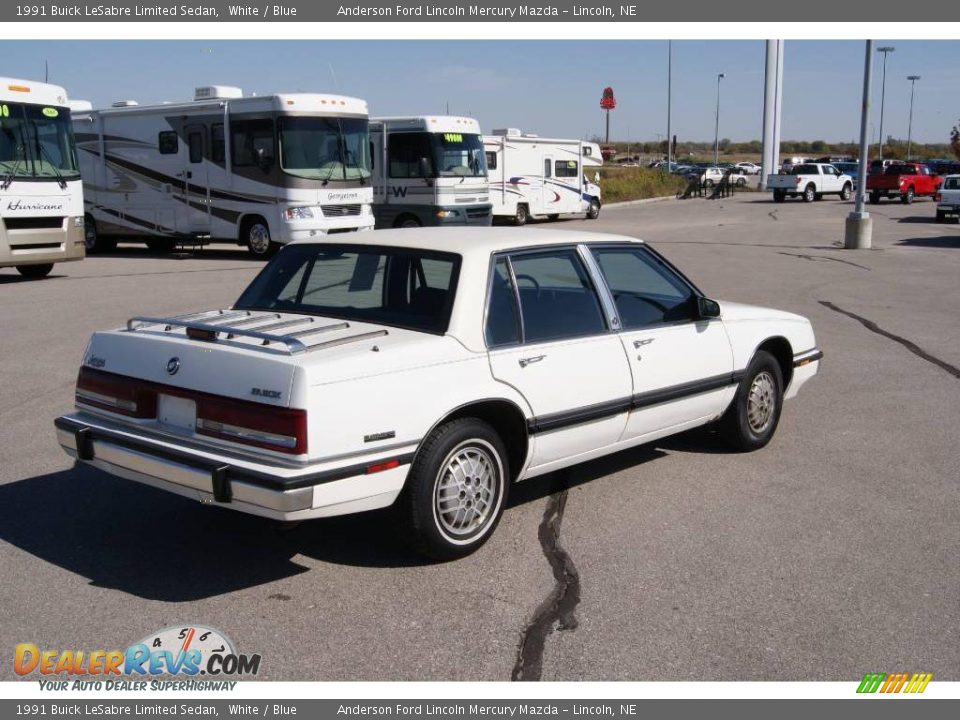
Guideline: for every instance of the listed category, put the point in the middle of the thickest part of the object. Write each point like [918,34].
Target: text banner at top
[484,11]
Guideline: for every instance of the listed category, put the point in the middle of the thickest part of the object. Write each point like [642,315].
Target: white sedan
[749,168]
[430,370]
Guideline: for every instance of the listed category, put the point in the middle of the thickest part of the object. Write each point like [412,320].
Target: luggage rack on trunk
[210,325]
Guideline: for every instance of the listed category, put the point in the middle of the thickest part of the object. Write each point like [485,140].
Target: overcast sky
[546,87]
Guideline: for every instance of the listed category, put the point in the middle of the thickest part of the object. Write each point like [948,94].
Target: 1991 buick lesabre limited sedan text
[429,369]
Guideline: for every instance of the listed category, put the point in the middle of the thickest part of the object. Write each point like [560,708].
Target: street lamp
[716,135]
[913,81]
[886,50]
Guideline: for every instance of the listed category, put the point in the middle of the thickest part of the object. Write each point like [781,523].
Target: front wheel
[907,197]
[751,420]
[593,212]
[846,192]
[810,194]
[257,236]
[456,490]
[35,272]
[521,215]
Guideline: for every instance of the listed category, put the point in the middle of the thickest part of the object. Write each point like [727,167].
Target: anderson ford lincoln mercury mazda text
[429,369]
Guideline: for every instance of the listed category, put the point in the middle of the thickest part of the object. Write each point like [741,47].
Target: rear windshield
[804,170]
[951,183]
[900,170]
[400,287]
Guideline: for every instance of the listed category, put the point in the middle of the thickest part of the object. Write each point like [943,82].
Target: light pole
[858,231]
[886,50]
[716,135]
[913,81]
[669,99]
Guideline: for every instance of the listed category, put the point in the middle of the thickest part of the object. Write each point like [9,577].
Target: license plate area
[177,412]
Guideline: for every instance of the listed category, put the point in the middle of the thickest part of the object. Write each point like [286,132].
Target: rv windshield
[36,142]
[459,155]
[325,148]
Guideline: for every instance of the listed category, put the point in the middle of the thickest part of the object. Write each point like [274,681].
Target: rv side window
[547,168]
[218,150]
[567,168]
[252,143]
[167,142]
[406,153]
[195,141]
[491,161]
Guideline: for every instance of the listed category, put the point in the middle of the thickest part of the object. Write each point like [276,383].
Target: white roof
[282,102]
[31,91]
[431,123]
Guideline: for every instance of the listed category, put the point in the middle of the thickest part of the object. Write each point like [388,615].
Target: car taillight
[798,179]
[115,393]
[280,429]
[937,197]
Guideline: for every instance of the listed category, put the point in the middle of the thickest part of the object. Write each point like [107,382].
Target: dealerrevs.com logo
[184,651]
[888,683]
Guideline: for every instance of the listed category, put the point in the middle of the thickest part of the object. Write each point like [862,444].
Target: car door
[831,179]
[549,337]
[681,365]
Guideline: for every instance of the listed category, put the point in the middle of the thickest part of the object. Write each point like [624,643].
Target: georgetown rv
[428,170]
[541,177]
[259,171]
[41,199]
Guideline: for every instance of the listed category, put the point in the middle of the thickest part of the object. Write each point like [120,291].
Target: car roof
[469,240]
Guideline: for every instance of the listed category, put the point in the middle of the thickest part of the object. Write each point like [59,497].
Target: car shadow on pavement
[918,220]
[15,277]
[940,241]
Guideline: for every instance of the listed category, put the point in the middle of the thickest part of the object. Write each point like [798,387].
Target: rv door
[548,192]
[194,193]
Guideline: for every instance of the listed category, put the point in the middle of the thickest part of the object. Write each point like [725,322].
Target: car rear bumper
[281,493]
[949,209]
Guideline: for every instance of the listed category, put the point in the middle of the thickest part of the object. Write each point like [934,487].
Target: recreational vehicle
[428,170]
[41,199]
[259,171]
[541,177]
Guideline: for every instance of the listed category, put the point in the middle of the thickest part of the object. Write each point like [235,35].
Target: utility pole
[669,103]
[772,101]
[913,81]
[858,232]
[716,137]
[886,50]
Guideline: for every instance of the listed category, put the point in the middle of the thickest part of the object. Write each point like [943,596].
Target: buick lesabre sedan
[429,369]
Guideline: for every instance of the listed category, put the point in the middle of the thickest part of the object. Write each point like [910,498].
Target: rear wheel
[875,197]
[161,245]
[407,221]
[751,420]
[941,217]
[256,235]
[521,216]
[741,182]
[779,195]
[593,212]
[907,197]
[846,192]
[810,193]
[35,272]
[456,490]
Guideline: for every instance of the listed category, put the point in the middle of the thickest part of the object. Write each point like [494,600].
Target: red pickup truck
[903,180]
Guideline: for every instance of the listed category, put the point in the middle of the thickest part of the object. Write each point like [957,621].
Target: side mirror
[707,308]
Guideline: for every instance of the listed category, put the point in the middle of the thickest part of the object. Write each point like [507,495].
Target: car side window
[645,290]
[503,320]
[557,299]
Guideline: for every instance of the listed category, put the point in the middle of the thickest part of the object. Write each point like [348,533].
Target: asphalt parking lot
[831,553]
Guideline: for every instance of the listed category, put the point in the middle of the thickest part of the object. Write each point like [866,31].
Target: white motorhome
[541,177]
[428,170]
[41,197]
[259,171]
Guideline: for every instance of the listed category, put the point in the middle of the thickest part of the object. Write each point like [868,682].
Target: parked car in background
[811,181]
[790,162]
[429,369]
[948,199]
[749,168]
[711,176]
[903,180]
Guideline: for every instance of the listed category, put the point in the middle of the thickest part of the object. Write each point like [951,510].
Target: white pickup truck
[429,369]
[811,181]
[948,199]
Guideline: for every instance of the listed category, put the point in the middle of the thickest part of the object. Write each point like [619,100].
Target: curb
[627,203]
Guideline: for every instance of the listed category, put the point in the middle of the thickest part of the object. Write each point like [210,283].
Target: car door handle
[530,360]
[641,343]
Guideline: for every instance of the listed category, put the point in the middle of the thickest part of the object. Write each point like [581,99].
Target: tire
[35,272]
[941,217]
[445,534]
[92,241]
[741,182]
[407,221]
[593,212]
[779,195]
[846,192]
[809,194]
[161,246]
[875,198]
[256,236]
[752,418]
[521,216]
[907,197]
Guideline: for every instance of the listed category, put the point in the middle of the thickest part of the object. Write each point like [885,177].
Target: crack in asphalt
[814,258]
[559,606]
[912,347]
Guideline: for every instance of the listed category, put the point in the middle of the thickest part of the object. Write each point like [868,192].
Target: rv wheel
[407,221]
[521,216]
[257,236]
[161,245]
[35,272]
[594,212]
